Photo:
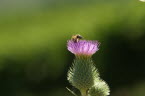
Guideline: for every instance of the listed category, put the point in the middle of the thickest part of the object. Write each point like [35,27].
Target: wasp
[76,38]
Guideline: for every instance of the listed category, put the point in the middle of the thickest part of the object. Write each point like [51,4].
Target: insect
[76,38]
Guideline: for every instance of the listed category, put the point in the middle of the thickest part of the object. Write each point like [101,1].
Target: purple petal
[83,47]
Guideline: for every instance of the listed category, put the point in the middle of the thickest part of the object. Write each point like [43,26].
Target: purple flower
[83,47]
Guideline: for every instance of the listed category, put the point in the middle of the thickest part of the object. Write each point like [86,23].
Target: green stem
[84,93]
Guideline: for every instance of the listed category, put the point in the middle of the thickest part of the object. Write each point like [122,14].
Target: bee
[76,38]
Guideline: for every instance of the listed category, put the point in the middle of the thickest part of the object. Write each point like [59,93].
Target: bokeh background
[34,59]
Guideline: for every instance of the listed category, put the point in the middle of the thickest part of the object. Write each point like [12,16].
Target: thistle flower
[83,47]
[83,75]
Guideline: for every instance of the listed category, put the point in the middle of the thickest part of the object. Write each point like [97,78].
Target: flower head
[83,47]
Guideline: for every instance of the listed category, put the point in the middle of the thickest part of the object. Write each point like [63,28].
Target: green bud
[100,88]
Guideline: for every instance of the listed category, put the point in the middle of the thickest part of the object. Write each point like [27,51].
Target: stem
[84,93]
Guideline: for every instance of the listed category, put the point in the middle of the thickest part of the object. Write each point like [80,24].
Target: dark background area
[34,59]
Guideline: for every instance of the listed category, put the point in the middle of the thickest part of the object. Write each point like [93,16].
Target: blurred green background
[34,59]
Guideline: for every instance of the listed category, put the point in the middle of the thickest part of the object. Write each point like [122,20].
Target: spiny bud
[100,88]
[82,74]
